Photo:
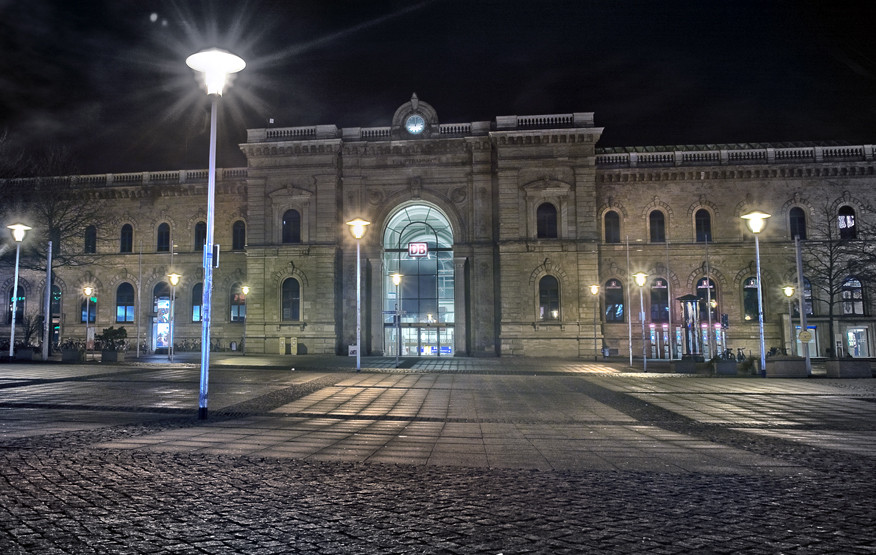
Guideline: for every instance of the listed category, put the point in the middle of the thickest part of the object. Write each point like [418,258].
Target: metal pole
[642,318]
[139,302]
[172,314]
[709,299]
[398,321]
[358,308]
[801,292]
[87,322]
[671,338]
[791,327]
[760,308]
[595,330]
[208,267]
[629,302]
[47,321]
[243,346]
[14,302]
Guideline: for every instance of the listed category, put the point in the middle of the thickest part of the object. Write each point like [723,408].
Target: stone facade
[535,214]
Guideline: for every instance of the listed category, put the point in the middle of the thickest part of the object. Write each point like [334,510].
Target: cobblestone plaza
[449,456]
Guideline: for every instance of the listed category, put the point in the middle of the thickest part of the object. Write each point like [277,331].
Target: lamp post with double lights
[174,281]
[594,290]
[357,228]
[18,232]
[245,291]
[756,222]
[396,280]
[88,290]
[216,65]
[789,293]
[640,278]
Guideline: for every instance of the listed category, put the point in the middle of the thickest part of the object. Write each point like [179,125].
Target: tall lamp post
[357,228]
[174,281]
[640,278]
[18,231]
[215,64]
[594,290]
[245,291]
[396,280]
[88,290]
[756,222]
[789,293]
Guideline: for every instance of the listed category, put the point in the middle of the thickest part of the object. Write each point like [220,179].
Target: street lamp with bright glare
[215,64]
[594,290]
[396,280]
[789,293]
[640,278]
[88,290]
[18,232]
[756,222]
[357,228]
[245,290]
[174,281]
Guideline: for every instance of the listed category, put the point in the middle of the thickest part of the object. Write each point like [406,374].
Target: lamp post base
[202,413]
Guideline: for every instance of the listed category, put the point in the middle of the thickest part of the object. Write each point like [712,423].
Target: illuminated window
[125,303]
[846,222]
[548,298]
[659,300]
[291,307]
[614,301]
[749,299]
[853,297]
[291,227]
[197,300]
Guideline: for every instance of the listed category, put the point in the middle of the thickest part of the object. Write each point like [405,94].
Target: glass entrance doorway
[856,342]
[419,308]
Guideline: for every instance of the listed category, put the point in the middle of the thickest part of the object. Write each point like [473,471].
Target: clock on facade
[415,124]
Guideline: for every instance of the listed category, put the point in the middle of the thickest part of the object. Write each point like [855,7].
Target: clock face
[415,124]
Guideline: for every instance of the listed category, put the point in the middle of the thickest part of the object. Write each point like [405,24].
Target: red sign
[418,250]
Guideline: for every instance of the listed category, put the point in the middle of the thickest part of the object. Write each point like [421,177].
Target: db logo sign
[418,250]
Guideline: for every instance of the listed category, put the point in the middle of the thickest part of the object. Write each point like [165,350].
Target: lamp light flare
[755,221]
[216,65]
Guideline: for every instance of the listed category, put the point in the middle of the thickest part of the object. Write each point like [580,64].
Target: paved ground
[445,456]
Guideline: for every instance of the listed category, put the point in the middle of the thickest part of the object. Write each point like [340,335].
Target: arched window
[659,300]
[807,300]
[291,226]
[749,299]
[238,235]
[90,240]
[163,238]
[238,303]
[200,236]
[197,299]
[89,309]
[614,301]
[657,226]
[19,308]
[853,297]
[125,303]
[797,222]
[612,227]
[126,239]
[546,221]
[291,307]
[708,295]
[548,298]
[846,222]
[703,224]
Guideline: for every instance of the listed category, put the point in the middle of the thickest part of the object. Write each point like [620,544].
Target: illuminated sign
[418,250]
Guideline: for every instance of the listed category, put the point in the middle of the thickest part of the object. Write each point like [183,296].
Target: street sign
[805,336]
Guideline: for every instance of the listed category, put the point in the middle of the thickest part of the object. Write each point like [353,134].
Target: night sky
[107,80]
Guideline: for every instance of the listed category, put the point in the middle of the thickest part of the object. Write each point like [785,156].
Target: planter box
[74,355]
[112,356]
[849,368]
[24,354]
[684,366]
[725,368]
[786,368]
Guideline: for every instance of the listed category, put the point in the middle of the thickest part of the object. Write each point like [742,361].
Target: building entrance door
[856,342]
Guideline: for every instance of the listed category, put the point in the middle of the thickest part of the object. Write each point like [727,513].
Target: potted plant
[72,350]
[113,344]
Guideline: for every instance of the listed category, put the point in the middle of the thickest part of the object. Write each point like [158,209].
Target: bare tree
[839,248]
[44,195]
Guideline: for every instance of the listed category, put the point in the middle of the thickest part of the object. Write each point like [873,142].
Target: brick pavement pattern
[472,457]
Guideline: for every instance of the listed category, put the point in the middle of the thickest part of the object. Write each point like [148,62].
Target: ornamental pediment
[290,192]
[546,187]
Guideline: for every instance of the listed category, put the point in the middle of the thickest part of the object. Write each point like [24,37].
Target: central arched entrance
[418,312]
